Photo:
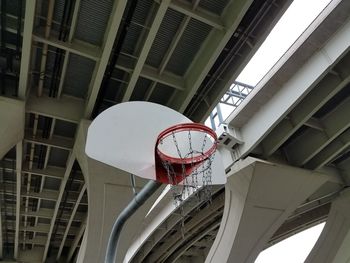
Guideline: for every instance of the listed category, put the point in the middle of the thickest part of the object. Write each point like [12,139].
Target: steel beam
[152,73]
[49,171]
[70,38]
[310,143]
[183,249]
[1,238]
[26,48]
[165,77]
[77,203]
[168,224]
[67,108]
[163,7]
[19,156]
[204,60]
[56,141]
[331,151]
[76,240]
[76,47]
[198,14]
[49,213]
[100,67]
[49,195]
[200,216]
[318,96]
[70,163]
[298,86]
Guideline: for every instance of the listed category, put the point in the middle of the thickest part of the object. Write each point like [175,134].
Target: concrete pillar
[252,212]
[109,191]
[333,245]
[12,116]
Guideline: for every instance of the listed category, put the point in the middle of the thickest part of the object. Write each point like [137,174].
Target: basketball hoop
[183,156]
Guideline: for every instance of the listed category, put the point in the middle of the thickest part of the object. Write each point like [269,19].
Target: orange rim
[186,127]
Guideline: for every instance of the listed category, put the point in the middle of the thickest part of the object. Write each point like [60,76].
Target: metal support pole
[136,202]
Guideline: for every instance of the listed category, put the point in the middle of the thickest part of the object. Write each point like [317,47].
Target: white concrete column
[252,212]
[109,191]
[11,123]
[333,245]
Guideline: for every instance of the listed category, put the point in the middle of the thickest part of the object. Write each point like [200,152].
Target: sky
[292,250]
[292,24]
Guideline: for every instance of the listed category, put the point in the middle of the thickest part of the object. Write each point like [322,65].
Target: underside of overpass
[63,62]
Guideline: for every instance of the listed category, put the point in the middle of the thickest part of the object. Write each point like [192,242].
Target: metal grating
[137,26]
[161,94]
[165,35]
[12,7]
[141,88]
[50,63]
[58,10]
[188,46]
[65,128]
[214,6]
[78,76]
[131,39]
[93,20]
[58,157]
[142,11]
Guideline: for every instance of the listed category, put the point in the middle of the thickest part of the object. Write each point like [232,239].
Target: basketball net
[184,156]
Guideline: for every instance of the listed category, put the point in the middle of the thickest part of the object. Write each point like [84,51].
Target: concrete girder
[12,118]
[250,195]
[101,65]
[67,108]
[155,225]
[174,241]
[175,257]
[160,220]
[334,241]
[318,96]
[331,151]
[146,48]
[77,47]
[105,185]
[29,17]
[82,191]
[298,86]
[204,60]
[310,143]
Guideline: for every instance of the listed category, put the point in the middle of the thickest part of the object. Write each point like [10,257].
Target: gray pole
[128,211]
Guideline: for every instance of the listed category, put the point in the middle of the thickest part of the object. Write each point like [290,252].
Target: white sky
[293,23]
[292,250]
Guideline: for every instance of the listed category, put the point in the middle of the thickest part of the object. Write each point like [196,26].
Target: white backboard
[124,136]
